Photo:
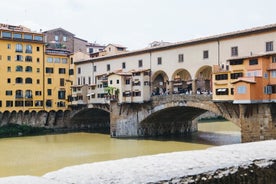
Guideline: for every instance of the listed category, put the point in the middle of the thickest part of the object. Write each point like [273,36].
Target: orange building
[248,80]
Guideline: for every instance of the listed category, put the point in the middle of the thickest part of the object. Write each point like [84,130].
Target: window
[8,69]
[19,58]
[28,69]
[28,36]
[159,61]
[28,58]
[273,59]
[38,38]
[57,60]
[241,89]
[18,94]
[49,81]
[180,58]
[9,46]
[37,60]
[18,48]
[28,94]
[38,93]
[123,65]
[29,49]
[38,81]
[268,90]
[49,70]
[18,80]
[234,51]
[64,38]
[222,91]
[9,80]
[236,62]
[38,103]
[221,77]
[108,67]
[37,70]
[37,49]
[48,103]
[56,37]
[71,71]
[19,68]
[205,54]
[269,46]
[118,81]
[273,74]
[61,70]
[253,62]
[140,63]
[8,92]
[64,60]
[110,82]
[94,68]
[137,93]
[62,82]
[8,58]
[6,34]
[28,80]
[9,103]
[49,92]
[49,60]
[61,94]
[236,75]
[127,81]
[79,70]
[17,35]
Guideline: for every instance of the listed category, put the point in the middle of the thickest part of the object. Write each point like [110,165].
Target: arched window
[28,49]
[18,48]
[18,80]
[28,59]
[28,80]
[18,68]
[18,94]
[28,94]
[28,69]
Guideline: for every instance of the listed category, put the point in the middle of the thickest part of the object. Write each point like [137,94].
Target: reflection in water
[40,154]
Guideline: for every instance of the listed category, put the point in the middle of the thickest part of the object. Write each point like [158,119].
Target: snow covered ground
[153,168]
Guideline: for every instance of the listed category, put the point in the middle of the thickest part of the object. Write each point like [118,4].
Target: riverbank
[164,168]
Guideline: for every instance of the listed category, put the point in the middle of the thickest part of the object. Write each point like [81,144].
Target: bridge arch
[181,81]
[94,119]
[203,78]
[160,82]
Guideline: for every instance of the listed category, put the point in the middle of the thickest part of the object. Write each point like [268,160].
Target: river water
[38,155]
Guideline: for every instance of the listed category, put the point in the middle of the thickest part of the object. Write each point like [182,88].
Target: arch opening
[203,79]
[160,81]
[92,120]
[181,81]
[173,121]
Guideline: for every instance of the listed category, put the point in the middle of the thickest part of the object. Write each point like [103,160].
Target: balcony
[272,66]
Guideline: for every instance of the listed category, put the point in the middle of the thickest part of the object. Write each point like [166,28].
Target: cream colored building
[185,66]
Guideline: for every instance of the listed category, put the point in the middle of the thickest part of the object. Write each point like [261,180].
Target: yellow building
[57,79]
[21,61]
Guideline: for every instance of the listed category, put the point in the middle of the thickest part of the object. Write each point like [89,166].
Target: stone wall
[255,173]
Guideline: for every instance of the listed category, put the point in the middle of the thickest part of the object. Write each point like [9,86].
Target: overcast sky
[136,23]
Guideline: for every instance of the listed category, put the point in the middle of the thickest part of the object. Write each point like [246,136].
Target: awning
[127,92]
[222,90]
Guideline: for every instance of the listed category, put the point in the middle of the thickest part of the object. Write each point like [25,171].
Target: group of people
[164,91]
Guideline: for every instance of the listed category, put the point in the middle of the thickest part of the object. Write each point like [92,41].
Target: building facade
[183,67]
[22,69]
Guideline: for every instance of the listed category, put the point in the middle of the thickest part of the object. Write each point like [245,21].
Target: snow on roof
[153,168]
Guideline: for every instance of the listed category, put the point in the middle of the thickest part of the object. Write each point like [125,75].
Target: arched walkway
[160,81]
[181,81]
[203,80]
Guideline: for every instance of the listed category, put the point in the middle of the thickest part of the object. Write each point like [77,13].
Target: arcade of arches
[182,81]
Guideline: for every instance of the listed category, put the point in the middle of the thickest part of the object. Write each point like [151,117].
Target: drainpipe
[218,51]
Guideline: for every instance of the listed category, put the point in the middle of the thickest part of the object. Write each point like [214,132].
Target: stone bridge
[163,115]
[166,115]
